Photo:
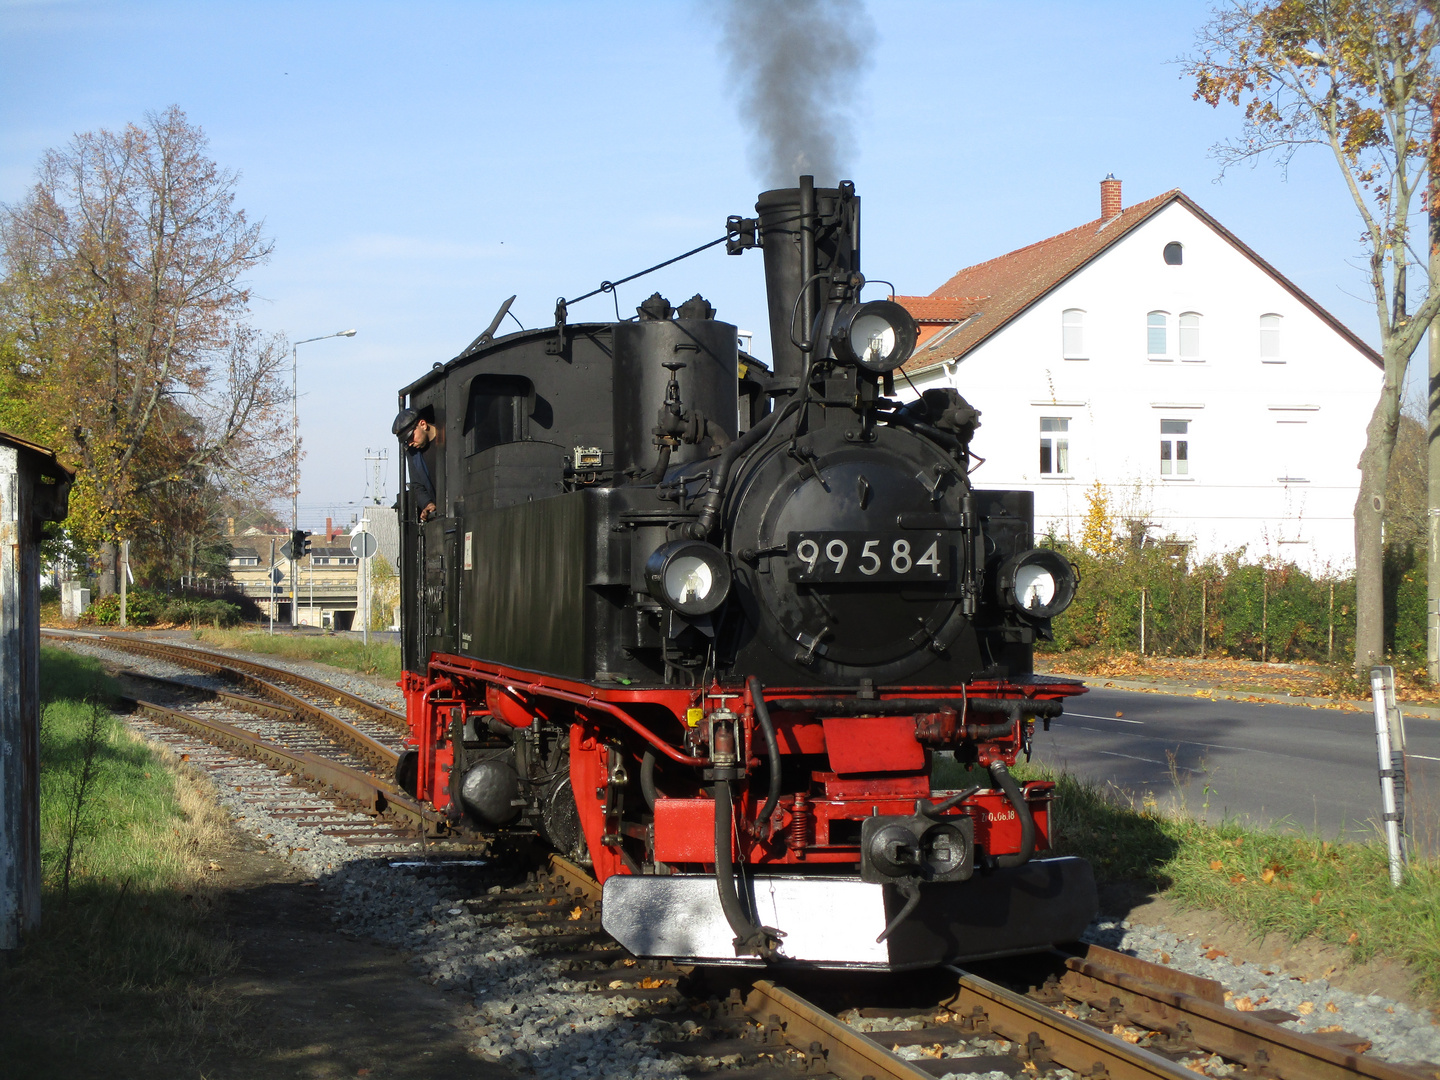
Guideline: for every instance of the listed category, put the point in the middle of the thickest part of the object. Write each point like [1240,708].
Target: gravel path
[534,1015]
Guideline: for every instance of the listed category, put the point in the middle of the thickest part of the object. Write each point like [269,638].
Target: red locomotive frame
[877,765]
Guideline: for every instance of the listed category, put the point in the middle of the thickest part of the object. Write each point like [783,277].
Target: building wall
[1272,444]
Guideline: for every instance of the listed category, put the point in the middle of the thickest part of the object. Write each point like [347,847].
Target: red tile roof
[997,291]
[940,309]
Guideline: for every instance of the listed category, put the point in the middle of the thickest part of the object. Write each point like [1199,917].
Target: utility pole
[295,454]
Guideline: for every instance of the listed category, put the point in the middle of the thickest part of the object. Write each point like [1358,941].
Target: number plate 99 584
[913,556]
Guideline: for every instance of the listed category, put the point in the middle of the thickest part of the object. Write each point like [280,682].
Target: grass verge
[1270,881]
[123,964]
[376,658]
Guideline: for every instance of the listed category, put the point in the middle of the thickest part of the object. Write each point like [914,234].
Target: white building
[1152,351]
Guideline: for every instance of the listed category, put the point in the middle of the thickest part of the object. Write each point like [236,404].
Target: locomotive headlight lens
[688,579]
[1034,587]
[690,576]
[878,336]
[1040,583]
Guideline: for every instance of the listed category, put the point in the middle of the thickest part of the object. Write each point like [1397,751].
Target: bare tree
[1357,78]
[124,299]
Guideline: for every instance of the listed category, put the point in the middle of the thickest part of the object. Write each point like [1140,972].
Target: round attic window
[1174,253]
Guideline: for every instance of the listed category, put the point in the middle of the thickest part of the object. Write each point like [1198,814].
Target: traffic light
[299,544]
[304,543]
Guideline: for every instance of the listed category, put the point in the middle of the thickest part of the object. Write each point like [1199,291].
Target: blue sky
[416,164]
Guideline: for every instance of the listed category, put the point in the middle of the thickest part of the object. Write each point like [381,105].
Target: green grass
[124,946]
[376,658]
[1270,881]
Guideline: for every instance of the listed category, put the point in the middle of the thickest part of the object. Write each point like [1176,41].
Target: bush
[211,612]
[143,607]
[49,594]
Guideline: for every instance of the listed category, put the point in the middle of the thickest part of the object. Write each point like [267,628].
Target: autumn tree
[1355,78]
[122,329]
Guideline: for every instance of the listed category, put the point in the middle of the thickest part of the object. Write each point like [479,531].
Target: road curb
[1419,712]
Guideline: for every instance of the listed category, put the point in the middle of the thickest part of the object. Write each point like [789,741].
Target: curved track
[1103,1015]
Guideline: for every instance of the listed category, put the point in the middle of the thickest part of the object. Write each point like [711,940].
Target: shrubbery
[145,607]
[1261,611]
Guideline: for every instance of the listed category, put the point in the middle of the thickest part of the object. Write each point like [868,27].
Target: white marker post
[1390,745]
[362,546]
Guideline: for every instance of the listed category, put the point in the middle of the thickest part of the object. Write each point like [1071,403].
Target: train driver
[418,434]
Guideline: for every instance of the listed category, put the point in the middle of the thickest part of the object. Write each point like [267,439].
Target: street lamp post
[295,453]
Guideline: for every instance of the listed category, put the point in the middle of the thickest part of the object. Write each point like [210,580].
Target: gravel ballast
[534,1014]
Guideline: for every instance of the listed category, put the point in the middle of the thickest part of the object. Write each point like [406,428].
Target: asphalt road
[1292,766]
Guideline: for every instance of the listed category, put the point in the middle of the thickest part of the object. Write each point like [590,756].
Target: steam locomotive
[714,628]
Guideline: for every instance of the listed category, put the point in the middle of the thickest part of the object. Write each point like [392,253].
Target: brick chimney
[1109,197]
[329,531]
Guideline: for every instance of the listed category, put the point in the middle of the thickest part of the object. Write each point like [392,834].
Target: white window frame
[1175,449]
[1072,334]
[1057,448]
[1165,354]
[1190,352]
[245,560]
[1270,336]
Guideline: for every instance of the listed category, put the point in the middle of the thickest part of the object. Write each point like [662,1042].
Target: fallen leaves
[1244,1004]
[1216,864]
[1215,954]
[1128,1034]
[575,915]
[1305,1008]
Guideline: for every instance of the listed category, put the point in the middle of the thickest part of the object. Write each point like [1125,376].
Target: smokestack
[795,251]
[329,531]
[1109,197]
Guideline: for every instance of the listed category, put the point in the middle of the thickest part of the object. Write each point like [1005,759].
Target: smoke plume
[797,67]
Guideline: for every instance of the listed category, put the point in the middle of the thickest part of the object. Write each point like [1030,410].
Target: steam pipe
[714,500]
[807,261]
[1001,775]
[772,748]
[750,940]
[589,702]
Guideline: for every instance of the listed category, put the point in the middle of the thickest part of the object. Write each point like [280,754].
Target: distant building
[328,581]
[1152,351]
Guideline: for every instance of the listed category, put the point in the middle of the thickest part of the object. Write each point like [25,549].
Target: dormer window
[1174,253]
[1072,332]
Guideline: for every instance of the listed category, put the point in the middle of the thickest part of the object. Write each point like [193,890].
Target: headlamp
[878,336]
[690,576]
[1039,582]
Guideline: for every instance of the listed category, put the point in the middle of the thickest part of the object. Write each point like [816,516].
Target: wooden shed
[34,489]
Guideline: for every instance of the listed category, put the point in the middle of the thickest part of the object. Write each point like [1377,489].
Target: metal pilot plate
[833,922]
[363,545]
[826,920]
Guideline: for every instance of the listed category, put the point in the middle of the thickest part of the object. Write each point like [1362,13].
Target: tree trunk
[106,583]
[1370,518]
[1369,578]
[1432,523]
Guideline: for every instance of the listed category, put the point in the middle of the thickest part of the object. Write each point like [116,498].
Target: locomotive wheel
[560,818]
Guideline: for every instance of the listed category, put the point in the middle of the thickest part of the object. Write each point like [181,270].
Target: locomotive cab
[708,626]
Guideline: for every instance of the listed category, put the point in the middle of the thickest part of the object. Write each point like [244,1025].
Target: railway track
[318,756]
